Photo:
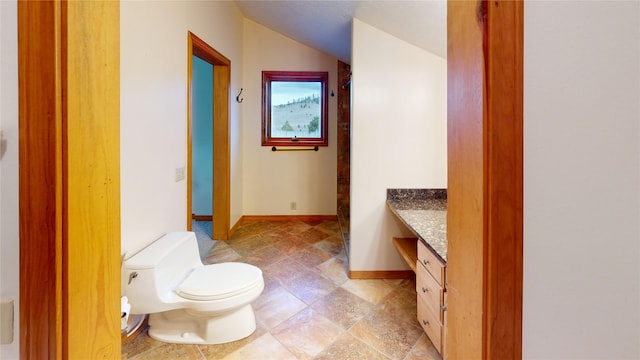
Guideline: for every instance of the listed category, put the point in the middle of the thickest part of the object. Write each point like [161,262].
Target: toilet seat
[219,281]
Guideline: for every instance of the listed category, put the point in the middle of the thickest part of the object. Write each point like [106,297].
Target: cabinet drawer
[431,326]
[429,291]
[431,262]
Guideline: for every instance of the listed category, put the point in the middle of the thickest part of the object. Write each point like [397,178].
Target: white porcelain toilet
[189,302]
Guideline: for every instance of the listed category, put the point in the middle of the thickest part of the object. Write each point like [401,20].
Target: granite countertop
[424,212]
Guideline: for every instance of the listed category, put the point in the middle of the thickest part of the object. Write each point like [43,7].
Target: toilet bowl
[189,302]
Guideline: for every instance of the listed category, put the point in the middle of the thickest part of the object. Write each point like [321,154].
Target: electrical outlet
[180,174]
[293,205]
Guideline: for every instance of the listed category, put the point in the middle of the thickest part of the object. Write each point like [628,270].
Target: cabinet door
[429,260]
[430,324]
[429,291]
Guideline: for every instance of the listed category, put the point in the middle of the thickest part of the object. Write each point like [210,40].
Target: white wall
[9,241]
[153,45]
[399,131]
[581,180]
[274,179]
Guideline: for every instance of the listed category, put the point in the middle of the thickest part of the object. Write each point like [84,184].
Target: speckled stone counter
[424,212]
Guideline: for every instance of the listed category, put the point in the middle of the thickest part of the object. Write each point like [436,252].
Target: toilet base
[185,327]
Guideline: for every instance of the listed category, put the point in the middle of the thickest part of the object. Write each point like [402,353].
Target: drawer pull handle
[425,322]
[424,289]
[425,261]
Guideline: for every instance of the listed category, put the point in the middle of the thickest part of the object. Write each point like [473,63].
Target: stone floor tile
[296,227]
[274,307]
[348,347]
[141,343]
[401,303]
[265,348]
[218,351]
[307,333]
[372,290]
[387,334]
[311,256]
[424,350]
[264,256]
[287,245]
[245,246]
[313,235]
[342,307]
[330,226]
[330,246]
[284,270]
[222,252]
[309,286]
[335,269]
[171,351]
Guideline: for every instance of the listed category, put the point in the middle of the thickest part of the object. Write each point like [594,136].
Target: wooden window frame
[302,76]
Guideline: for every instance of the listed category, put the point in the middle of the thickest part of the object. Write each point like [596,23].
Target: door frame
[221,153]
[485,172]
[69,177]
[48,258]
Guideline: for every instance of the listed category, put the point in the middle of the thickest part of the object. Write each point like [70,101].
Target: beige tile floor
[309,309]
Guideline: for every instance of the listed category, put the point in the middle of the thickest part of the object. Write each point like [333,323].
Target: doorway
[208,174]
[202,152]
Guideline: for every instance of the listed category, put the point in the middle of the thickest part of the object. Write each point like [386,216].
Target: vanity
[424,213]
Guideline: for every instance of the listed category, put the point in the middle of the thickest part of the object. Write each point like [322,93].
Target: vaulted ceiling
[326,24]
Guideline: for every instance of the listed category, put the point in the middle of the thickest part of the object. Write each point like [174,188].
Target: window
[294,108]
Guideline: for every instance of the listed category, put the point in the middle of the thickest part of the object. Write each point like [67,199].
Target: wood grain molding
[40,178]
[202,217]
[91,155]
[69,179]
[382,274]
[504,187]
[485,201]
[465,201]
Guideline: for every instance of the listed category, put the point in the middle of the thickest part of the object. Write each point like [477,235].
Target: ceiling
[326,24]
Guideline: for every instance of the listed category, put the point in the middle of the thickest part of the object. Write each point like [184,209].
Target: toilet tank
[156,270]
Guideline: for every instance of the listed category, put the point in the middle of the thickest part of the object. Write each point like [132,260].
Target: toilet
[189,302]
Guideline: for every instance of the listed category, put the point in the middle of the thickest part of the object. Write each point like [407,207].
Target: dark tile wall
[344,148]
[344,130]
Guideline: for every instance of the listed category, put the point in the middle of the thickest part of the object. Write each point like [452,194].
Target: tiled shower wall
[344,143]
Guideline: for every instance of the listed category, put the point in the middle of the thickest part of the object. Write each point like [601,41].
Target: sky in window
[283,92]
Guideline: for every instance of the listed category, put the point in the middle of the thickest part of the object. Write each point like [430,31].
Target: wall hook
[238,97]
[332,95]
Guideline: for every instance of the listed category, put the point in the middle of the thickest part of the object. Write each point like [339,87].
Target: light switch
[6,321]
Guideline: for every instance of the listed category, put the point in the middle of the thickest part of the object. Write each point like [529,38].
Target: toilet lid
[219,281]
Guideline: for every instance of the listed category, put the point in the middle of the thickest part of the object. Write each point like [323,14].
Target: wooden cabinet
[430,324]
[431,263]
[430,280]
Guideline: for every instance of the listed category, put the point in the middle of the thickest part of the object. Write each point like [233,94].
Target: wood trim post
[91,176]
[485,190]
[465,200]
[40,178]
[221,152]
[69,179]
[504,176]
